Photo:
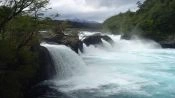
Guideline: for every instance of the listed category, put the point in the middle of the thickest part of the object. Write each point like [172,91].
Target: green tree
[154,18]
[12,8]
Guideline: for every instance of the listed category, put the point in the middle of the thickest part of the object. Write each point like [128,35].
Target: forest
[154,20]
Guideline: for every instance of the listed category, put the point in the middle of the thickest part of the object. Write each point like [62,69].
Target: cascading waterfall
[66,61]
[136,68]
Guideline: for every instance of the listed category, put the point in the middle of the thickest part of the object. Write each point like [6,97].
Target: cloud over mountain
[91,10]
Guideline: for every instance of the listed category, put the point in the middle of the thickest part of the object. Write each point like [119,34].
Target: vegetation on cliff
[154,19]
[19,63]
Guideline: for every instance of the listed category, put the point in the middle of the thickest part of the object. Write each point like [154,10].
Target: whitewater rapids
[128,69]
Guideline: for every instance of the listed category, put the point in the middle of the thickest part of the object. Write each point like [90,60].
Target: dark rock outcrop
[96,39]
[93,40]
[46,69]
[126,36]
[107,38]
[167,44]
[71,41]
[74,43]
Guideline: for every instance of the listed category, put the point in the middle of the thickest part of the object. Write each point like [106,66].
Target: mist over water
[67,62]
[136,68]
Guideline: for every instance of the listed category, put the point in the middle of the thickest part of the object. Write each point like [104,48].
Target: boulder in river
[167,44]
[96,39]
[126,36]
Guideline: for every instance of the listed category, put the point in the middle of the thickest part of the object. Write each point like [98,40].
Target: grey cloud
[111,3]
[92,10]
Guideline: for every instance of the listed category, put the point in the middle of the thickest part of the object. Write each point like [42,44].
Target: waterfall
[67,62]
[136,68]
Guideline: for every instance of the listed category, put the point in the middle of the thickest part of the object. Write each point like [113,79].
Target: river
[136,68]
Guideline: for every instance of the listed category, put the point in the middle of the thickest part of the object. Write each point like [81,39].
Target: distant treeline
[81,24]
[155,19]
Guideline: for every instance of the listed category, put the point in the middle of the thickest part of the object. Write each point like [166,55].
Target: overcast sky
[91,10]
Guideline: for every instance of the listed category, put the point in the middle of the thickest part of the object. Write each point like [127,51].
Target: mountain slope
[154,19]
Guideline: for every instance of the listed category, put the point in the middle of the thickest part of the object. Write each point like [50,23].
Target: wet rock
[126,36]
[71,41]
[167,44]
[96,39]
[47,68]
[93,40]
[108,39]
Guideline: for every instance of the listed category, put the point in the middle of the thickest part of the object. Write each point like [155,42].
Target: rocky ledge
[70,40]
[73,41]
[96,39]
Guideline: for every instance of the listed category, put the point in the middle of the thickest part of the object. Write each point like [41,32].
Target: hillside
[81,25]
[154,19]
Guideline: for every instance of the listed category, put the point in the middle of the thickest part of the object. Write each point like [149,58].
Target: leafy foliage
[18,35]
[154,19]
